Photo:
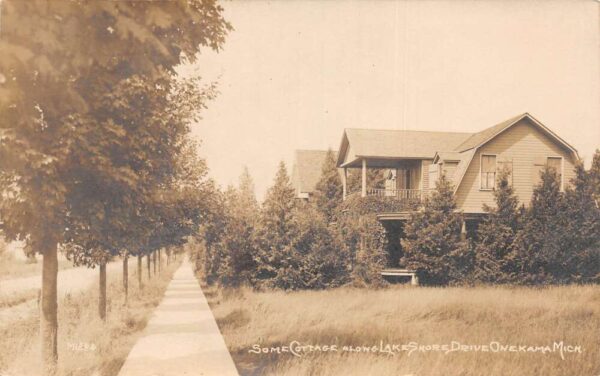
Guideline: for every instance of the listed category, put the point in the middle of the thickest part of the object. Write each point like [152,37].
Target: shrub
[315,258]
[432,244]
[495,258]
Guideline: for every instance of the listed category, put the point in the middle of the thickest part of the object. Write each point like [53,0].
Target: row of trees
[291,244]
[95,154]
[283,243]
[555,239]
[288,244]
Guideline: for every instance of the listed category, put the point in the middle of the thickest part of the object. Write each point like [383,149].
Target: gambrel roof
[481,138]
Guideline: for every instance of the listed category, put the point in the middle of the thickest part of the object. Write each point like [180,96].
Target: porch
[394,223]
[400,179]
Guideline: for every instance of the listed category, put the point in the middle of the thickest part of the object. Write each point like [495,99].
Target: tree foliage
[274,227]
[90,120]
[433,246]
[328,191]
[542,245]
[496,260]
[237,245]
[59,97]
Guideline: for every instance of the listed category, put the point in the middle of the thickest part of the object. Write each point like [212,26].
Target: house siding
[449,169]
[527,147]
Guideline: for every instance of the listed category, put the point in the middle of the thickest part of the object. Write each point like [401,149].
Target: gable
[480,139]
[525,146]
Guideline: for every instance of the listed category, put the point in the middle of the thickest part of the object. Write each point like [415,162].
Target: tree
[375,179]
[237,243]
[273,230]
[432,245]
[542,243]
[594,178]
[52,80]
[328,192]
[494,252]
[314,258]
[582,231]
[211,233]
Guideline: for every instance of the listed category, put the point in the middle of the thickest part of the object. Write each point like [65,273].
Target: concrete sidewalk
[182,337]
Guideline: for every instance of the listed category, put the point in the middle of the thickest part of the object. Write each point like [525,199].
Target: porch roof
[393,145]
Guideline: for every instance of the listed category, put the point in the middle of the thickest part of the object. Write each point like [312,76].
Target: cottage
[471,161]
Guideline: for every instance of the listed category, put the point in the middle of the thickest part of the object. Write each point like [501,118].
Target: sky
[293,74]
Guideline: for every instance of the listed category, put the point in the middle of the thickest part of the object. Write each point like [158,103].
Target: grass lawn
[11,267]
[413,317]
[87,345]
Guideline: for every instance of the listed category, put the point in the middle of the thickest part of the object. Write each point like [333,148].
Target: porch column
[364,178]
[344,183]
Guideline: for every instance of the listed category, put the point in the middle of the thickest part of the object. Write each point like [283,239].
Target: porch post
[344,183]
[364,178]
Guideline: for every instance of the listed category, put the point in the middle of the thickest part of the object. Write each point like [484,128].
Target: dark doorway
[394,231]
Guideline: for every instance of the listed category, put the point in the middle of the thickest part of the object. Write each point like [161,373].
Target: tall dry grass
[401,314]
[87,345]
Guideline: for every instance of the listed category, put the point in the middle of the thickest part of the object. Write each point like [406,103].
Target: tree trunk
[126,276]
[102,293]
[49,316]
[159,261]
[148,264]
[139,270]
[154,260]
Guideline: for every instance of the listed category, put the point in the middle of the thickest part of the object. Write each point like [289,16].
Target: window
[488,171]
[556,164]
[506,166]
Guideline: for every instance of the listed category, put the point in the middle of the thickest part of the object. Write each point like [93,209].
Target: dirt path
[182,336]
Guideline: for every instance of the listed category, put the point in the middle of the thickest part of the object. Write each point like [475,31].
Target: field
[87,345]
[12,267]
[418,318]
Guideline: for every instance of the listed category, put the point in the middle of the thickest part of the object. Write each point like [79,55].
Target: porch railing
[402,194]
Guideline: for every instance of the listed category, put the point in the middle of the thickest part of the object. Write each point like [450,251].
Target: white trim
[562,169]
[481,155]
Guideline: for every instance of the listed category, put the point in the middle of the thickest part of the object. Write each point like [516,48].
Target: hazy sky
[294,74]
